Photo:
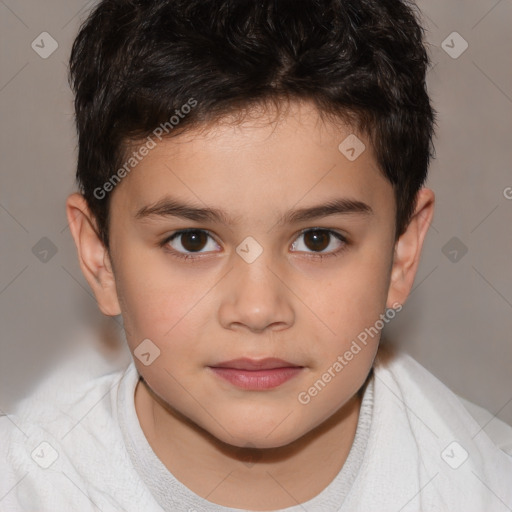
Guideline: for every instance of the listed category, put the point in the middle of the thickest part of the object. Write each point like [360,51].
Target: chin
[253,436]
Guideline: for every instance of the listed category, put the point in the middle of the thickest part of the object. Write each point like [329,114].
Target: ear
[408,249]
[92,255]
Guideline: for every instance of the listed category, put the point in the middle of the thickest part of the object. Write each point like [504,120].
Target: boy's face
[253,285]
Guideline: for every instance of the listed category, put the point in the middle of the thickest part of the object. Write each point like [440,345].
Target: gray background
[457,321]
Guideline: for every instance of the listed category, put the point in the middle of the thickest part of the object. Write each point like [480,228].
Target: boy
[253,206]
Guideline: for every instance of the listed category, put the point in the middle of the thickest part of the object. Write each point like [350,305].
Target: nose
[255,296]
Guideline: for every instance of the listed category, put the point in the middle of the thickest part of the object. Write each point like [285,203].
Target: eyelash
[192,258]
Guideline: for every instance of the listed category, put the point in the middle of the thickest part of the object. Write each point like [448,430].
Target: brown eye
[320,241]
[317,240]
[191,241]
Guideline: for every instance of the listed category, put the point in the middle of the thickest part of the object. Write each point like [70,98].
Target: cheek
[353,298]
[157,302]
[154,310]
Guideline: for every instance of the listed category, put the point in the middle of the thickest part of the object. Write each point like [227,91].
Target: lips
[256,374]
[269,363]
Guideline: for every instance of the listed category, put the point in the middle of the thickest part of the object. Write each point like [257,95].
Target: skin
[288,303]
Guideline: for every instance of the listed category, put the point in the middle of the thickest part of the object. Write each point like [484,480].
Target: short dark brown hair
[135,63]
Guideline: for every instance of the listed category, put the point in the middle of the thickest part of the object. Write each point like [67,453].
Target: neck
[241,477]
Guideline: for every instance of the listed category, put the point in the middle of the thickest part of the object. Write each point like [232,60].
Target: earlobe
[408,247]
[92,254]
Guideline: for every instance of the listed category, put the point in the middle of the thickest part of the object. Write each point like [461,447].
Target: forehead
[262,163]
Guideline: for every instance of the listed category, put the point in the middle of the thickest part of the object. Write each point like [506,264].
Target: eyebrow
[171,207]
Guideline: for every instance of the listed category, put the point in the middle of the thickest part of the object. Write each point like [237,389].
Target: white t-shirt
[417,448]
